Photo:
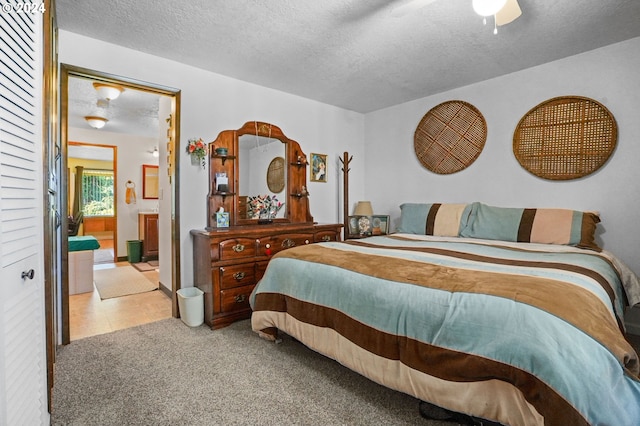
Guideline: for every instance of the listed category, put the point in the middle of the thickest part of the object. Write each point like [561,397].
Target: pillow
[547,226]
[443,220]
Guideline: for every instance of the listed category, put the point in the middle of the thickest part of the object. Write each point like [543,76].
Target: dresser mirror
[259,174]
[257,160]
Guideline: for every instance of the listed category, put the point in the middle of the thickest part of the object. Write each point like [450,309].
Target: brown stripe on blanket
[442,363]
[585,312]
[532,264]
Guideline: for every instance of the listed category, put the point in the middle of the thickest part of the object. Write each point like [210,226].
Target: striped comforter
[515,333]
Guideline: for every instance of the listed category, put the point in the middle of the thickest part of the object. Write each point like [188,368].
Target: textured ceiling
[348,53]
[134,111]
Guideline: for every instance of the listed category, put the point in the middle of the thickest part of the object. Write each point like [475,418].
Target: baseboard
[165,290]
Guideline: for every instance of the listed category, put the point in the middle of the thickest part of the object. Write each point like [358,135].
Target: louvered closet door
[23,394]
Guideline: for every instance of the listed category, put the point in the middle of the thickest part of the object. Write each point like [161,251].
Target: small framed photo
[360,226]
[318,168]
[379,225]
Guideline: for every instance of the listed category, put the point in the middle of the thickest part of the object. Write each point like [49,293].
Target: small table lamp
[363,208]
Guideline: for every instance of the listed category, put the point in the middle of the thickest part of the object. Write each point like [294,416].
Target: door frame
[67,71]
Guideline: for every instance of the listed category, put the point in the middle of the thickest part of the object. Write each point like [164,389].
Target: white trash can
[191,305]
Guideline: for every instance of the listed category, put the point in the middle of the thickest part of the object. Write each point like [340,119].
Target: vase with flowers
[263,207]
[198,151]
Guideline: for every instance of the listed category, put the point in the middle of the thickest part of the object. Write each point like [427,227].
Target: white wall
[133,152]
[211,103]
[609,75]
[393,174]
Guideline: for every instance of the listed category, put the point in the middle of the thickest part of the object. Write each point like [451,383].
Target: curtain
[78,191]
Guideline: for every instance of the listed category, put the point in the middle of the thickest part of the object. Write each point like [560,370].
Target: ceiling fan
[505,11]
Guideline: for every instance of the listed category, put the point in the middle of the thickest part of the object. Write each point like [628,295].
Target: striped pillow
[547,226]
[444,220]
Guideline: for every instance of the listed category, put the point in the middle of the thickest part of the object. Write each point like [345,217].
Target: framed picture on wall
[379,225]
[318,168]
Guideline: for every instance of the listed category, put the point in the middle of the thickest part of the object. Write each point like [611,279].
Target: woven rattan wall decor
[565,138]
[450,137]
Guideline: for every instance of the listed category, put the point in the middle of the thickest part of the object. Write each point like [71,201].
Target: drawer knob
[288,243]
[238,275]
[238,248]
[240,298]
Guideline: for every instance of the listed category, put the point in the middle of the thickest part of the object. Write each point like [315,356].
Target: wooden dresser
[229,262]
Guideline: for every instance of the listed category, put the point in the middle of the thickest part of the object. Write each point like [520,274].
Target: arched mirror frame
[297,202]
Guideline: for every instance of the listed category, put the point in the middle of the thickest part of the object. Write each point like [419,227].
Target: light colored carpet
[166,373]
[121,281]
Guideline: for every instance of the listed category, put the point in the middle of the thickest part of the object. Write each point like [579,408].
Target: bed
[480,310]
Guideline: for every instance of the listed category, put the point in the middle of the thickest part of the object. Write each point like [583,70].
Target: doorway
[167,207]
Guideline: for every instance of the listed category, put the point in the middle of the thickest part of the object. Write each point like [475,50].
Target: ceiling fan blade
[508,13]
[408,7]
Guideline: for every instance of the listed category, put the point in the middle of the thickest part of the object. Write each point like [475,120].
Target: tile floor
[89,316]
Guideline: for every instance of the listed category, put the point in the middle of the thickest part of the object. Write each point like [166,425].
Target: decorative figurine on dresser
[230,259]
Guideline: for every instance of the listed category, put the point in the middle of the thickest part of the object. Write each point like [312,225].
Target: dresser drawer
[322,236]
[237,248]
[235,299]
[269,246]
[237,275]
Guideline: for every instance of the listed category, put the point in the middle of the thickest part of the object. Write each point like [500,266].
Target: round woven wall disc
[565,138]
[450,137]
[275,175]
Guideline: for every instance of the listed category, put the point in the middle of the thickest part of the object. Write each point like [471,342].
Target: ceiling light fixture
[155,152]
[95,121]
[108,91]
[487,7]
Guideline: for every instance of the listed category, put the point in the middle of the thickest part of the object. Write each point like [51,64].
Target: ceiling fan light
[95,121]
[155,152]
[487,7]
[108,91]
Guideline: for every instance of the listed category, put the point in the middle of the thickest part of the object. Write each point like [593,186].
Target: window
[97,192]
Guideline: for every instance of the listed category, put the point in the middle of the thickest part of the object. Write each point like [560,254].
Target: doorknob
[28,274]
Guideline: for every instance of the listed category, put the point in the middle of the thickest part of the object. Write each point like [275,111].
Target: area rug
[103,256]
[143,266]
[121,281]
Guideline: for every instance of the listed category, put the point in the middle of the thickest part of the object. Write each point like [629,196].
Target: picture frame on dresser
[360,226]
[379,224]
[353,225]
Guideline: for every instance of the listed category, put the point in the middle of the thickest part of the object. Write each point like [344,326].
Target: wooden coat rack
[345,172]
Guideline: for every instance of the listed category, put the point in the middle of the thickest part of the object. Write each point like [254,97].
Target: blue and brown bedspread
[511,332]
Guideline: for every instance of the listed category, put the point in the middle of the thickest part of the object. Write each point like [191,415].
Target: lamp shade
[96,122]
[363,208]
[487,7]
[108,91]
